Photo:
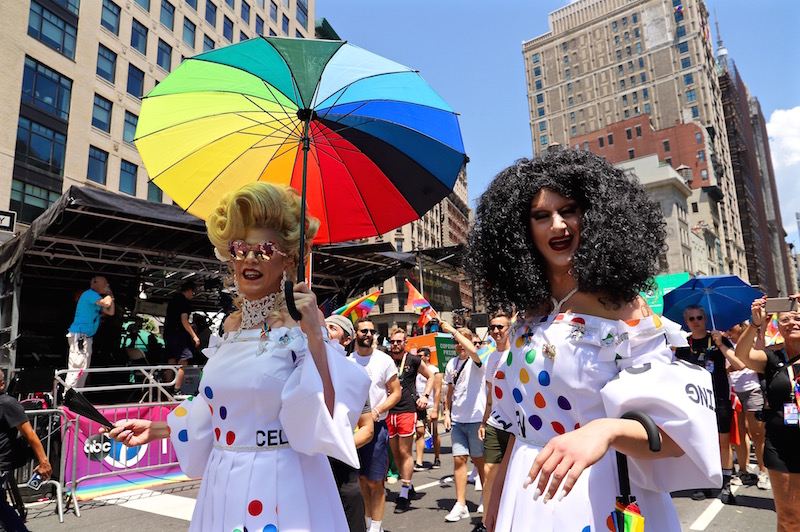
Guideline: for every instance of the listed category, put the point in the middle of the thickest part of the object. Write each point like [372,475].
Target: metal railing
[153,389]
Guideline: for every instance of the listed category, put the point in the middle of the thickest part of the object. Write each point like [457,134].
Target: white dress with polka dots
[259,434]
[566,370]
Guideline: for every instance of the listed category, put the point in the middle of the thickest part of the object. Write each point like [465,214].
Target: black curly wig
[621,238]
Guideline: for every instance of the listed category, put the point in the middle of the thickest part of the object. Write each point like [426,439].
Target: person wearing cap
[179,336]
[340,329]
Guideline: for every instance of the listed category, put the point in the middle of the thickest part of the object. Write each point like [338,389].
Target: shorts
[780,452]
[422,417]
[495,443]
[465,439]
[374,456]
[752,400]
[178,346]
[724,418]
[401,424]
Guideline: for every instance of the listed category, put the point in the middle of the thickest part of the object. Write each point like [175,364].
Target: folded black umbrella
[79,404]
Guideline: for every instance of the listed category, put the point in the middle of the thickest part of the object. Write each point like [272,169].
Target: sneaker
[480,509]
[753,469]
[402,505]
[478,484]
[479,528]
[412,493]
[698,495]
[726,496]
[391,480]
[763,481]
[418,467]
[736,479]
[436,464]
[458,513]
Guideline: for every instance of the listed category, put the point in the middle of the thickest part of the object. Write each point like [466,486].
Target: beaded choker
[256,312]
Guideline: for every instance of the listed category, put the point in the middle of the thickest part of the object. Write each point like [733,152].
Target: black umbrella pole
[288,289]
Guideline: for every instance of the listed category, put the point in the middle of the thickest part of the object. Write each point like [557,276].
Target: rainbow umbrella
[366,140]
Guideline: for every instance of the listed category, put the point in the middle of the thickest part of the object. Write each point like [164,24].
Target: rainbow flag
[486,350]
[772,335]
[359,308]
[415,299]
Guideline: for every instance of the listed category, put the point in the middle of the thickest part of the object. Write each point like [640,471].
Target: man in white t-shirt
[374,455]
[494,429]
[464,408]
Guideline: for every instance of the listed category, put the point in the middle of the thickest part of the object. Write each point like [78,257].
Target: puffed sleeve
[191,435]
[677,396]
[304,415]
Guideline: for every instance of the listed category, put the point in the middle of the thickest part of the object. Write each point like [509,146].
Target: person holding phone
[782,372]
[14,421]
[276,399]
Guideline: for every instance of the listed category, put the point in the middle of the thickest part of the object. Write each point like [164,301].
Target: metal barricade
[143,462]
[54,421]
[153,389]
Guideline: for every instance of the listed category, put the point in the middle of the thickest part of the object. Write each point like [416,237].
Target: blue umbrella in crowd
[725,298]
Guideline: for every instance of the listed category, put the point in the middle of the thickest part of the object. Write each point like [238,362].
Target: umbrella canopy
[381,147]
[725,298]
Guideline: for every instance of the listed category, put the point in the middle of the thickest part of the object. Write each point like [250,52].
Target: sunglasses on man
[698,318]
[367,331]
[498,327]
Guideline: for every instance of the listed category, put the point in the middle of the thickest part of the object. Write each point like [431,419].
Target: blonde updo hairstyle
[262,205]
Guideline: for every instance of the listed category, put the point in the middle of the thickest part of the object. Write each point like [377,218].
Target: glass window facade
[40,147]
[127,177]
[46,89]
[135,81]
[98,165]
[109,16]
[106,63]
[101,113]
[139,37]
[129,131]
[52,30]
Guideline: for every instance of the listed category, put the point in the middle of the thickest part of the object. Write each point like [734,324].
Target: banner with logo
[442,347]
[102,466]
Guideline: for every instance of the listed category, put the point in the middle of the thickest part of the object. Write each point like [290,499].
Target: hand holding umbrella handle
[653,440]
[288,292]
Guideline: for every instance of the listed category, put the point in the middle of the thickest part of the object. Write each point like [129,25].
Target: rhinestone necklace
[256,312]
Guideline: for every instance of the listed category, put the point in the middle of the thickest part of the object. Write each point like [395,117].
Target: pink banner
[123,468]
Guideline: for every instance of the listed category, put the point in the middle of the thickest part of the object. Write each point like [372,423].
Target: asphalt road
[169,508]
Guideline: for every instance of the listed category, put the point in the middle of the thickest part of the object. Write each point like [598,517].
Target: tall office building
[606,61]
[72,75]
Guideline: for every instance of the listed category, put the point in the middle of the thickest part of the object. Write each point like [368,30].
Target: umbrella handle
[653,437]
[288,293]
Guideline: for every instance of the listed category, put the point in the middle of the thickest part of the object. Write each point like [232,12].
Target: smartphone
[35,481]
[780,304]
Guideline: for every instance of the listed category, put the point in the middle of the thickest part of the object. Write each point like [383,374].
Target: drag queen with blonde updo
[275,398]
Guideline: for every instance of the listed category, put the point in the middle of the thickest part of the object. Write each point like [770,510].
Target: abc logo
[101,448]
[97,447]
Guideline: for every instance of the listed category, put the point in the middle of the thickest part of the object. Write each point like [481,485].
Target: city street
[170,508]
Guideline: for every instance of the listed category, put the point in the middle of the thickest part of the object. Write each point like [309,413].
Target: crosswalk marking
[702,522]
[154,502]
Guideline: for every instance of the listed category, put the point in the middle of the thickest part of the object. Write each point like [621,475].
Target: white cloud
[783,129]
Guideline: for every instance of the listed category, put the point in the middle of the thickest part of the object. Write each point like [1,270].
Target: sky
[470,52]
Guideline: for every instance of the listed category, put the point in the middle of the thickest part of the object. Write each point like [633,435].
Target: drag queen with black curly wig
[571,241]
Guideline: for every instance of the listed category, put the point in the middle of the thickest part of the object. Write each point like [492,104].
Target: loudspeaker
[479,320]
[191,380]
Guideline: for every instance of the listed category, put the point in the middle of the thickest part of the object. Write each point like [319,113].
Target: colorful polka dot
[517,395]
[230,437]
[223,412]
[657,321]
[183,435]
[558,427]
[508,360]
[523,376]
[563,403]
[498,392]
[270,528]
[180,412]
[610,523]
[587,528]
[499,375]
[190,398]
[632,323]
[294,356]
[255,507]
[535,421]
[577,426]
[539,400]
[520,342]
[208,392]
[578,321]
[544,378]
[217,433]
[530,356]
[559,317]
[211,408]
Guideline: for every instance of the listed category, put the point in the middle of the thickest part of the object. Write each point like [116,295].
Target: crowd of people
[562,247]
